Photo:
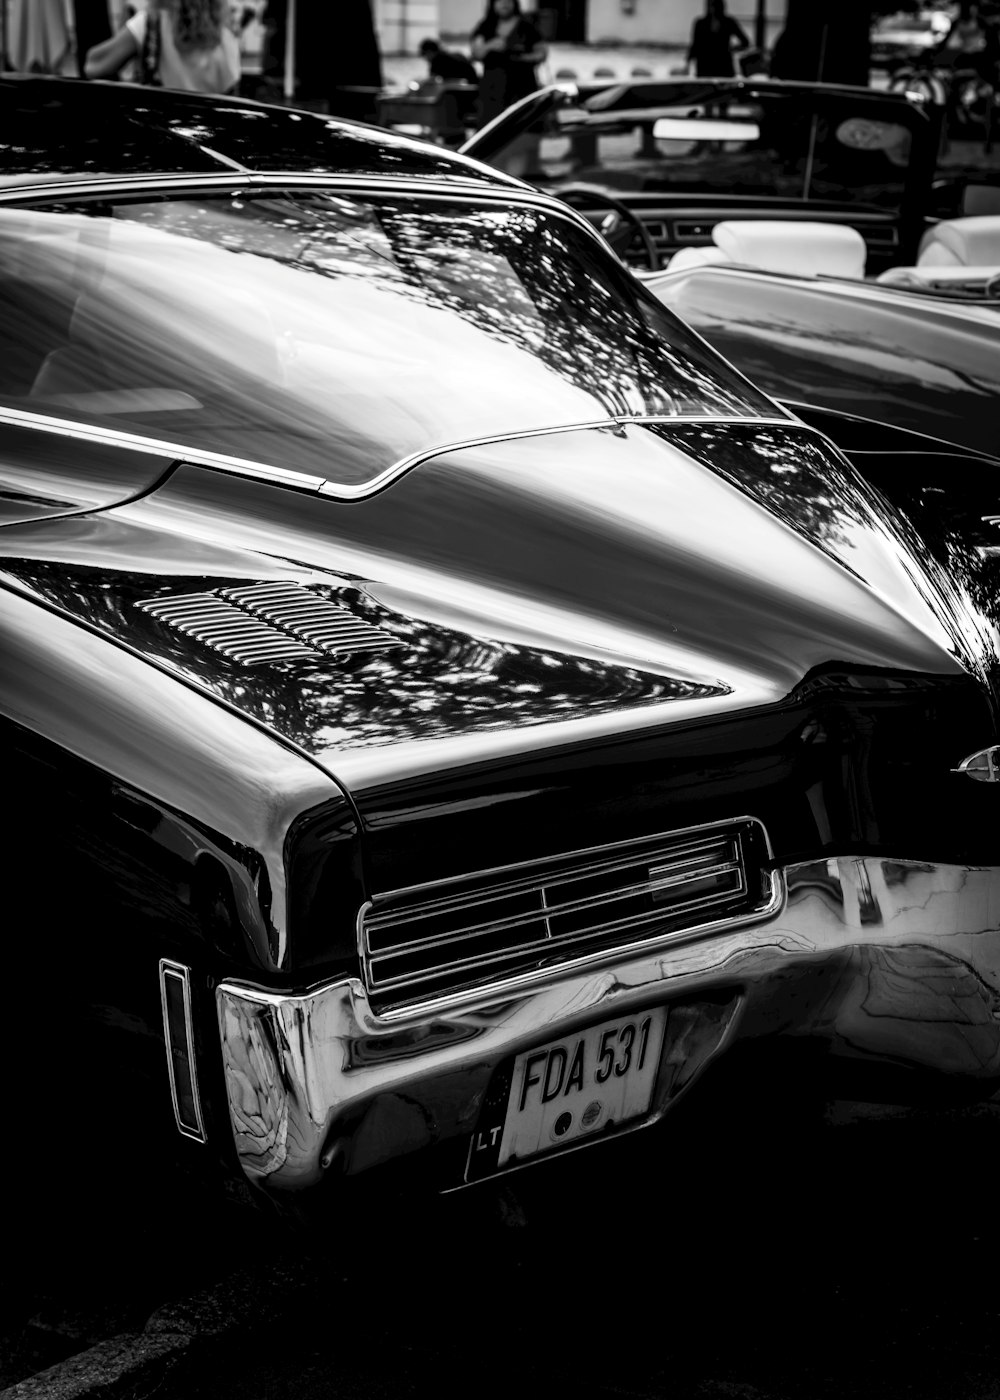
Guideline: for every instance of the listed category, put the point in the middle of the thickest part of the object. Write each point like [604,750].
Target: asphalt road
[848,1261]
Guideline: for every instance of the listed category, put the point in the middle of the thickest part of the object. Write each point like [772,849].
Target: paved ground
[856,1262]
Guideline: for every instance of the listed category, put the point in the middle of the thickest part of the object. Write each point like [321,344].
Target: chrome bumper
[893,961]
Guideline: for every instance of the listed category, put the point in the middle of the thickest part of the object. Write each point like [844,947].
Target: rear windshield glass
[335,335]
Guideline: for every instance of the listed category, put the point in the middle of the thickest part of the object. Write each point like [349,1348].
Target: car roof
[53,127]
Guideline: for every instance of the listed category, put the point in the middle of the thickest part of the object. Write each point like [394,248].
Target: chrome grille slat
[548,911]
[545,945]
[420,943]
[259,623]
[559,876]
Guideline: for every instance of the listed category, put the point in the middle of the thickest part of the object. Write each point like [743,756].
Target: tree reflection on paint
[439,682]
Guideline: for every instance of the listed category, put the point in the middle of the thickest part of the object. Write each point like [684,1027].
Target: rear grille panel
[433,941]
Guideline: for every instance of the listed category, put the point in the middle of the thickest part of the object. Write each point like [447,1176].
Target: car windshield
[335,336]
[784,144]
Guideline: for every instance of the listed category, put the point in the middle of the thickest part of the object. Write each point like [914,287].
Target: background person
[971,43]
[185,44]
[510,48]
[713,38]
[449,67]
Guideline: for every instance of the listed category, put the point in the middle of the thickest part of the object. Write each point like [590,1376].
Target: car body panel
[62,473]
[637,616]
[860,946]
[168,132]
[920,362]
[680,707]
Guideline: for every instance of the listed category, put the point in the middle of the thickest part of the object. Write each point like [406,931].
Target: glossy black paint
[605,558]
[45,474]
[827,705]
[52,126]
[605,632]
[920,363]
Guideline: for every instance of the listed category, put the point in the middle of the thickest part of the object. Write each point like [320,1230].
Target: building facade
[403,23]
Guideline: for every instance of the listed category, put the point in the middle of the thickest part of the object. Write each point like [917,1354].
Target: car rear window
[336,336]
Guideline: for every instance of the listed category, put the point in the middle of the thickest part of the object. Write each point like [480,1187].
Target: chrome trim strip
[416,459]
[317,485]
[685,855]
[405,464]
[660,884]
[471,964]
[432,185]
[160,447]
[183,975]
[239,180]
[885,960]
[546,911]
[62,186]
[520,983]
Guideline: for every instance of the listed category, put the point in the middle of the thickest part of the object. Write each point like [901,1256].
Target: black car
[446,707]
[658,163]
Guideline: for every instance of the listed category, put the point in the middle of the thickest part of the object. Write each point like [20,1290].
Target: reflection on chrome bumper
[884,960]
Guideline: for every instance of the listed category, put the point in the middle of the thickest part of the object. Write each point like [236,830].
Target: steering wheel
[619,225]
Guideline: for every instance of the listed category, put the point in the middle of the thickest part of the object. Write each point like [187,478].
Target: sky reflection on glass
[336,336]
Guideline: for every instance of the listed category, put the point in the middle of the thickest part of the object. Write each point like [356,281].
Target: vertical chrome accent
[181,975]
[545,912]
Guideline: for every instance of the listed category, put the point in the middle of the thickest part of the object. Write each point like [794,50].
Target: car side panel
[143,821]
[870,351]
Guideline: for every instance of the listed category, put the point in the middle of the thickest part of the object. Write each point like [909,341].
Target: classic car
[908,35]
[447,708]
[915,350]
[657,163]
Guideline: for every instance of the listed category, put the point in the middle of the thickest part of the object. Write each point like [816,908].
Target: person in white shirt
[185,44]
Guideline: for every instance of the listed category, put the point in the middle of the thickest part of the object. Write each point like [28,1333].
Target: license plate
[578,1087]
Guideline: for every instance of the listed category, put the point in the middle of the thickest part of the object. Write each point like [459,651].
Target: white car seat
[696,257]
[971,242]
[800,248]
[942,277]
[803,249]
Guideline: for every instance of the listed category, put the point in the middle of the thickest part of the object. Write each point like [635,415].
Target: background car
[902,38]
[446,707]
[916,351]
[659,163]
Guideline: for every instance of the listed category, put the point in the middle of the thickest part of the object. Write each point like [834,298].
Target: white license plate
[582,1085]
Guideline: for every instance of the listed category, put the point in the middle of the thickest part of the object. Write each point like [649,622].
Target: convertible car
[915,351]
[447,708]
[659,163]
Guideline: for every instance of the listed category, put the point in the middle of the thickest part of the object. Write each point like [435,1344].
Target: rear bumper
[886,961]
